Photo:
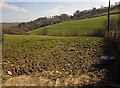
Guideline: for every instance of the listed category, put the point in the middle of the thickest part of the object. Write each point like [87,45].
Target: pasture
[69,28]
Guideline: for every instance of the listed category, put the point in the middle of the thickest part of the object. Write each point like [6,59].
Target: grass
[6,26]
[52,57]
[85,26]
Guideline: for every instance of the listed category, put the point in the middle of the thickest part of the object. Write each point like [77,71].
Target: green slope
[84,26]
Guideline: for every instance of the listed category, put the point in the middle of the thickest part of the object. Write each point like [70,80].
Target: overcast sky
[14,11]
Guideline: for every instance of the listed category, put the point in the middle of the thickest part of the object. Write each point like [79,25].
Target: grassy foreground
[78,27]
[55,58]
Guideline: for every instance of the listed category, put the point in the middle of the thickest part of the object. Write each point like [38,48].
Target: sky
[14,11]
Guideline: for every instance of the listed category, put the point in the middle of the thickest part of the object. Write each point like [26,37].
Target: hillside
[77,27]
[23,28]
[6,26]
[77,15]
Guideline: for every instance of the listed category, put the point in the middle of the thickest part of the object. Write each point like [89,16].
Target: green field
[79,27]
[6,26]
[51,57]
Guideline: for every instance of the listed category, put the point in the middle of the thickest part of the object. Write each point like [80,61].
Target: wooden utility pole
[108,17]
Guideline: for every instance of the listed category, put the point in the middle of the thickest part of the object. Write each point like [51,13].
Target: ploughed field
[61,60]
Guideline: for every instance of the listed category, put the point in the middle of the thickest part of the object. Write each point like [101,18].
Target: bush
[113,37]
[99,33]
[44,31]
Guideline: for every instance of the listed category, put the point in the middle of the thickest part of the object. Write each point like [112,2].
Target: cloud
[59,10]
[11,7]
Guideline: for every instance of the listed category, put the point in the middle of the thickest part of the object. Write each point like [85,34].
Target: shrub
[114,24]
[114,34]
[44,31]
[99,33]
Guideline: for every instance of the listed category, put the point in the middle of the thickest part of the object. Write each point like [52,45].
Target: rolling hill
[6,26]
[77,15]
[77,27]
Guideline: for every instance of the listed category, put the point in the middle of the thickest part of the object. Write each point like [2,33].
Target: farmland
[52,57]
[61,50]
[59,61]
[79,27]
[6,26]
